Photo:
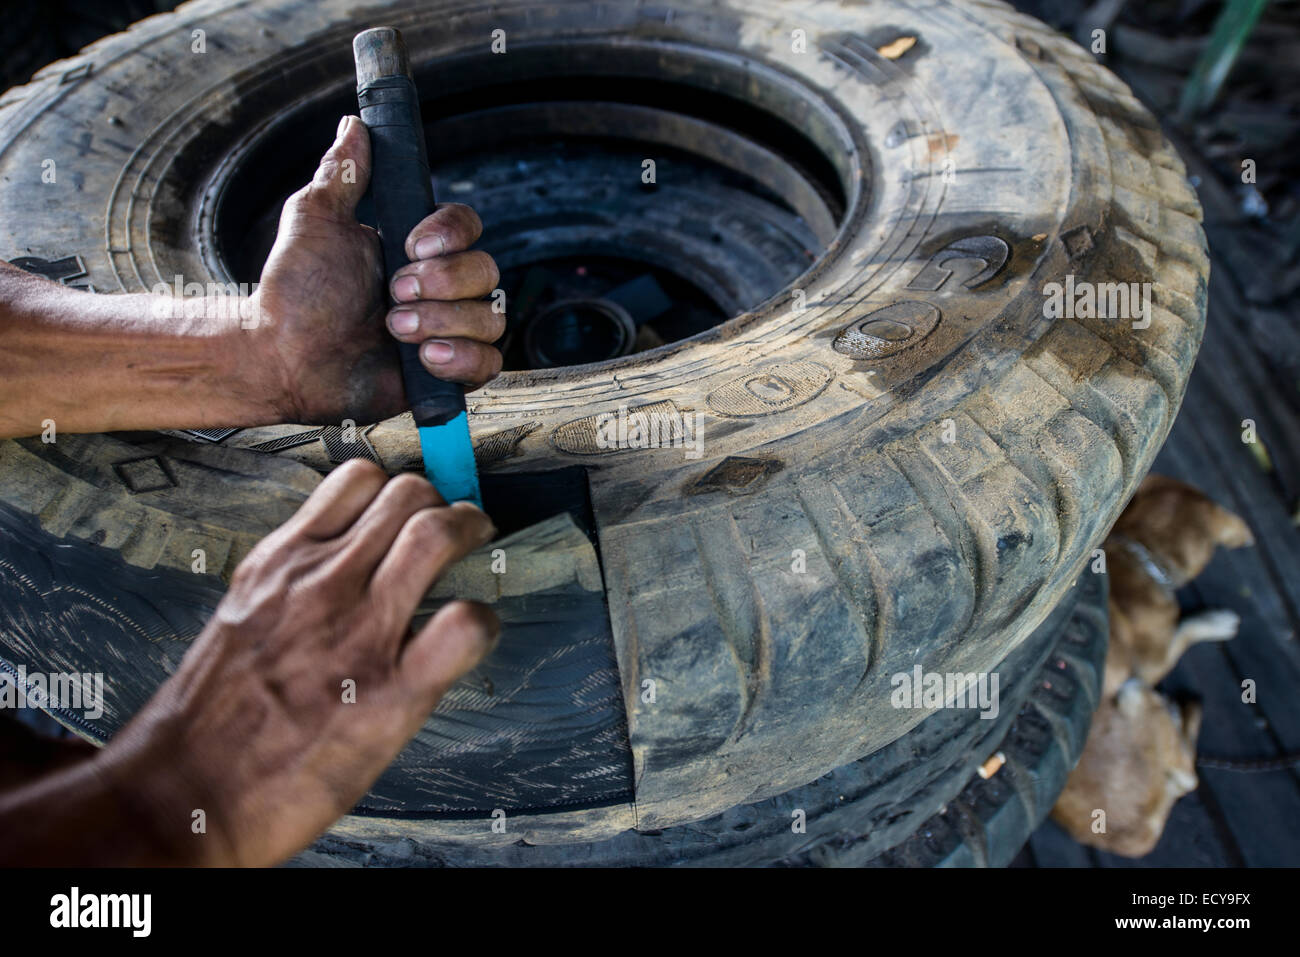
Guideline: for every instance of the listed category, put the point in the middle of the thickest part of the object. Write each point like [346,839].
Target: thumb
[343,174]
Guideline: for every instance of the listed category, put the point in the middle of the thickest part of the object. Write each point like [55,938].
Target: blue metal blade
[449,460]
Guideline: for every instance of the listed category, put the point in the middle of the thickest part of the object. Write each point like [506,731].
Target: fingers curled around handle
[451,228]
[464,319]
[464,275]
[469,363]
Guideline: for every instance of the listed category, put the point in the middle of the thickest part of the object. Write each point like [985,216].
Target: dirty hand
[255,728]
[323,312]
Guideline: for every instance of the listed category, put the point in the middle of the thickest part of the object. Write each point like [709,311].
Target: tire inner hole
[619,224]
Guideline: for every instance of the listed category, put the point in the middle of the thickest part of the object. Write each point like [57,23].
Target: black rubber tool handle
[402,191]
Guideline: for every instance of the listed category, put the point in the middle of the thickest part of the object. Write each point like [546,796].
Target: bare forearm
[98,363]
[103,811]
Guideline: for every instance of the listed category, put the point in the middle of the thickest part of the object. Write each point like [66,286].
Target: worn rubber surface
[913,803]
[538,726]
[825,407]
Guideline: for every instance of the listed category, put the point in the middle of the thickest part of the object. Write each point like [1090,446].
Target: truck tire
[907,456]
[914,803]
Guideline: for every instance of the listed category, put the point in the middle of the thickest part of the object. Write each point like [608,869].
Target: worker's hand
[324,326]
[256,728]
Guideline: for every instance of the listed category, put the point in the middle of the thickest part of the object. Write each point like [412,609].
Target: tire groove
[939,496]
[873,613]
[740,611]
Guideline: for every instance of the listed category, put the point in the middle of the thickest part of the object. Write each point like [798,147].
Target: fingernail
[437,352]
[430,246]
[343,125]
[408,287]
[403,321]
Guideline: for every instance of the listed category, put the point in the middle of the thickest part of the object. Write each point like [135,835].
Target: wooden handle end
[380,52]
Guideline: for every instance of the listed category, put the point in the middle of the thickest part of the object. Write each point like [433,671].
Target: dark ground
[1249,368]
